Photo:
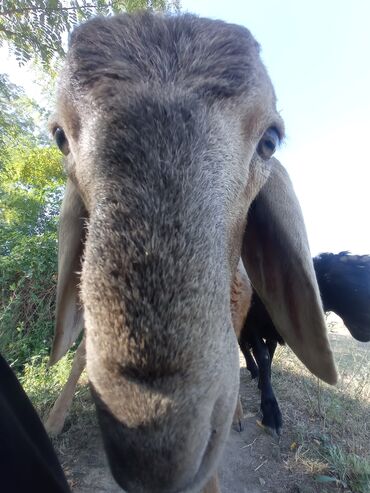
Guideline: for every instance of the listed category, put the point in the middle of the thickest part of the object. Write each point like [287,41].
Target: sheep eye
[61,140]
[268,144]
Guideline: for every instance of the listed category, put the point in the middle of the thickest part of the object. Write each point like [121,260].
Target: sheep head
[168,125]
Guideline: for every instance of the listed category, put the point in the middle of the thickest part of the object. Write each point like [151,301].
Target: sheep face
[168,124]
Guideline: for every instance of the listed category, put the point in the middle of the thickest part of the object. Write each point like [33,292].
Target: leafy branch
[37,29]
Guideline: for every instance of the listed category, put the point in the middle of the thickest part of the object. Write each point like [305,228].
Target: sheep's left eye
[61,140]
[268,144]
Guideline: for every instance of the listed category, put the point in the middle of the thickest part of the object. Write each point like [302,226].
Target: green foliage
[44,384]
[28,279]
[30,191]
[30,187]
[36,28]
[20,117]
[31,183]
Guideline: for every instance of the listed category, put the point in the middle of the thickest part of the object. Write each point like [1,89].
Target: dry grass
[331,424]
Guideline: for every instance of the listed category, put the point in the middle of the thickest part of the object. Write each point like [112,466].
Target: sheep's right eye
[268,144]
[61,140]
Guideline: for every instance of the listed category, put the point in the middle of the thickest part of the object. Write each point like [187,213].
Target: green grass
[43,384]
[348,469]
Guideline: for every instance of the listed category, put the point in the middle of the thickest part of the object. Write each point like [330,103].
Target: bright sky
[318,55]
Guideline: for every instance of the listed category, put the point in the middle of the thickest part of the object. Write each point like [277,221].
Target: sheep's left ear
[276,255]
[69,313]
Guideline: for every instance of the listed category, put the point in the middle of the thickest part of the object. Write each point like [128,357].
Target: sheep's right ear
[69,313]
[278,261]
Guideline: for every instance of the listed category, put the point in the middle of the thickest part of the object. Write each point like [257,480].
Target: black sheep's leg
[251,364]
[271,346]
[271,415]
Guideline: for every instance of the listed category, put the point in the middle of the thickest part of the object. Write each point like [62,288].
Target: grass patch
[347,469]
[43,384]
[331,425]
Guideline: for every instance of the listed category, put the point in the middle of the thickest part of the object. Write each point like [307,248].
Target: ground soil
[253,461]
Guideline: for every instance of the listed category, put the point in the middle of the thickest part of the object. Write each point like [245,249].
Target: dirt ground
[253,460]
[243,468]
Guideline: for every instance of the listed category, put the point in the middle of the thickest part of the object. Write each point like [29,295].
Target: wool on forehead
[212,57]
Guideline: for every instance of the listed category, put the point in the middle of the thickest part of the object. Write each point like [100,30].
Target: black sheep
[344,282]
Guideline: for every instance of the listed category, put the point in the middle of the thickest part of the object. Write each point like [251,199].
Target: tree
[29,167]
[16,113]
[36,28]
[31,183]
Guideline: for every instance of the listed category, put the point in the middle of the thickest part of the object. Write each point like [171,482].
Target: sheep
[344,283]
[169,125]
[27,458]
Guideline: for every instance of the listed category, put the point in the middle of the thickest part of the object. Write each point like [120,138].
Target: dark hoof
[274,433]
[272,418]
[238,425]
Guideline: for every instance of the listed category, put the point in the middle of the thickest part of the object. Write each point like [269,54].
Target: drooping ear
[276,255]
[69,313]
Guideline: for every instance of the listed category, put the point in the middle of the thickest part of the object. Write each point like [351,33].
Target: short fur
[163,117]
[344,282]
